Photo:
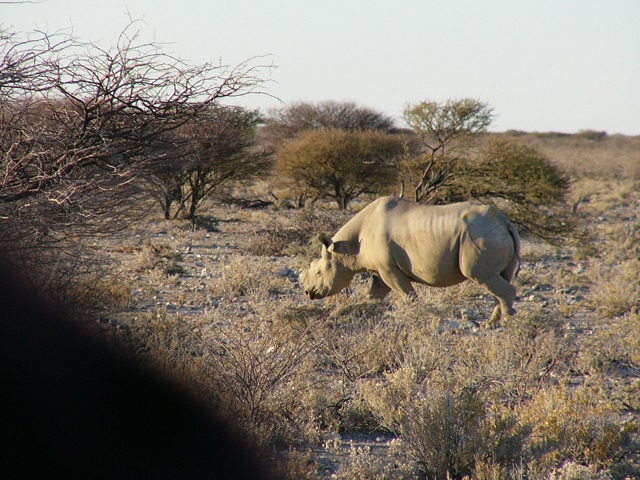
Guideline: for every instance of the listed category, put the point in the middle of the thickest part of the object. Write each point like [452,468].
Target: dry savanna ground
[350,388]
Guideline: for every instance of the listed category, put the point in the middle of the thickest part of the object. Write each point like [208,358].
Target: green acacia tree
[456,159]
[528,186]
[340,164]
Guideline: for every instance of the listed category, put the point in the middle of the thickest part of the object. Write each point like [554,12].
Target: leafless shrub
[259,376]
[70,277]
[255,374]
[79,124]
[354,341]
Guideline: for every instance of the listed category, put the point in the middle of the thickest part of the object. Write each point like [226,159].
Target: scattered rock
[472,326]
[287,272]
[468,314]
[448,326]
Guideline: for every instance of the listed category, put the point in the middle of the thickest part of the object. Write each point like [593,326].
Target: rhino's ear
[346,247]
[325,240]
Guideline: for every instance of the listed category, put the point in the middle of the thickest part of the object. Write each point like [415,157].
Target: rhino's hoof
[491,325]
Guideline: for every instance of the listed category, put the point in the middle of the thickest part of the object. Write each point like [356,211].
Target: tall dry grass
[613,157]
[552,394]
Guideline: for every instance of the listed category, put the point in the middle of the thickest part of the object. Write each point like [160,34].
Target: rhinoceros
[401,242]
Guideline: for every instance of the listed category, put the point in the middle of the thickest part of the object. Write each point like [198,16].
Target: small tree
[216,148]
[446,131]
[341,164]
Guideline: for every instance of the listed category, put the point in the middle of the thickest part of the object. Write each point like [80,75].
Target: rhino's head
[327,275]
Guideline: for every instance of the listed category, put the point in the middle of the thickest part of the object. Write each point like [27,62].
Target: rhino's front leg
[398,281]
[379,289]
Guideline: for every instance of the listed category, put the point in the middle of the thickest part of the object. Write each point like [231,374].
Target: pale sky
[542,65]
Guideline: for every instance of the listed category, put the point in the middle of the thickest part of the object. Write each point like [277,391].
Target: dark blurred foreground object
[72,408]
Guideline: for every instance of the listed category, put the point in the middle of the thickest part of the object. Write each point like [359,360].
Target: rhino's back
[403,221]
[423,240]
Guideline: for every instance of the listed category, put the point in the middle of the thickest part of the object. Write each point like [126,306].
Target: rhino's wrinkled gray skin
[401,242]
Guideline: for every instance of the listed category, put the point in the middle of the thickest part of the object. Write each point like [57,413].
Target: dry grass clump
[238,279]
[612,348]
[169,341]
[362,463]
[150,256]
[110,291]
[615,289]
[296,235]
[276,241]
[576,424]
[296,465]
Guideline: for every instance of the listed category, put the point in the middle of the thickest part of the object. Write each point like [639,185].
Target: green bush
[340,164]
[458,161]
[529,188]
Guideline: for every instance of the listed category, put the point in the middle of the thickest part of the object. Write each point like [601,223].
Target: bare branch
[77,118]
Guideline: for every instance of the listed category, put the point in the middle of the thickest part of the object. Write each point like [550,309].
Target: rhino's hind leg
[495,316]
[504,293]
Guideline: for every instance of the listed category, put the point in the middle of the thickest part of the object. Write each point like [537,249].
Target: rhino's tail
[514,266]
